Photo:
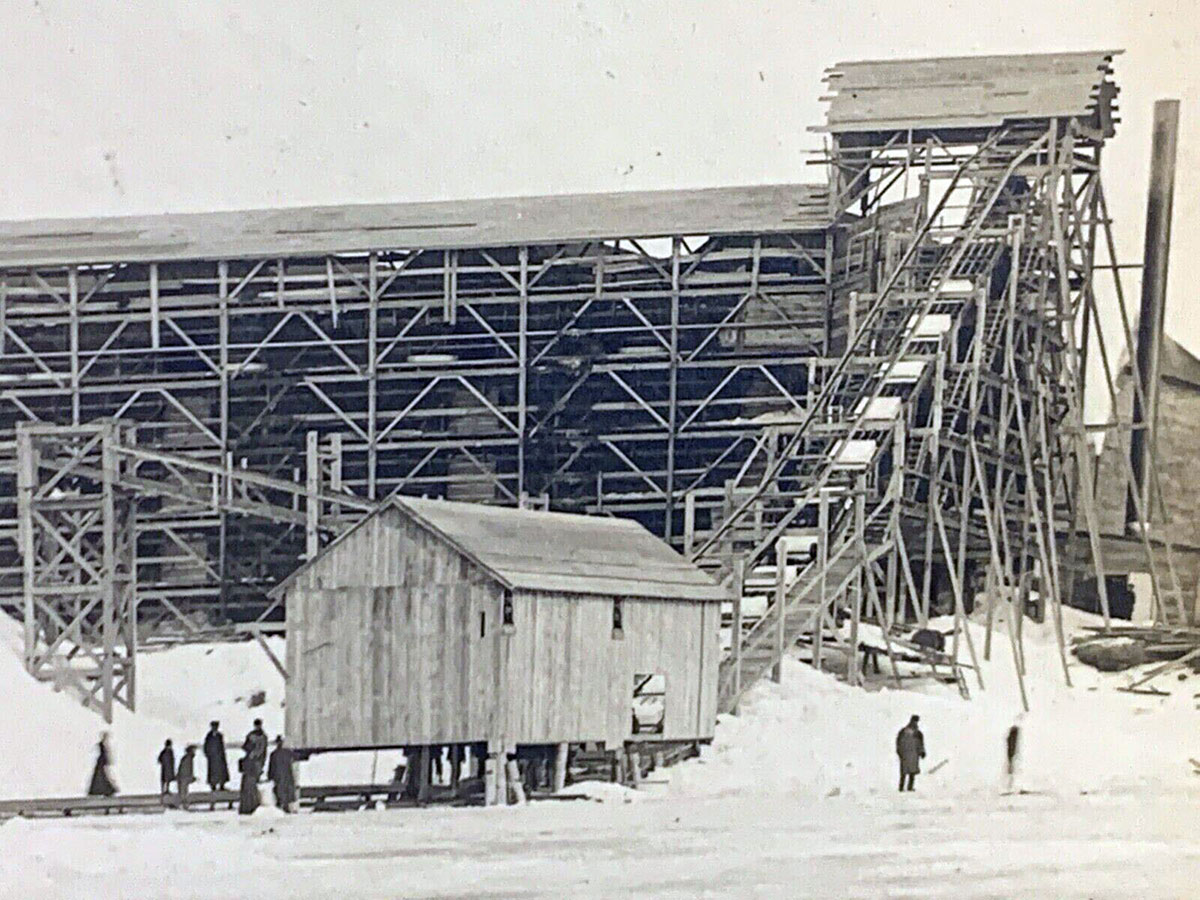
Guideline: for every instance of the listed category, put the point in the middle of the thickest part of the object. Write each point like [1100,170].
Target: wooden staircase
[856,418]
[803,591]
[940,325]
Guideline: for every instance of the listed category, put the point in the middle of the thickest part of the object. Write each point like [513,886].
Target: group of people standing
[279,768]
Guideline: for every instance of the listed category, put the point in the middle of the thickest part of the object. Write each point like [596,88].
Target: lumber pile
[1124,647]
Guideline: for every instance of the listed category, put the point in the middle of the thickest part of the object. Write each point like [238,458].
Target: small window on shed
[649,703]
[618,623]
[506,611]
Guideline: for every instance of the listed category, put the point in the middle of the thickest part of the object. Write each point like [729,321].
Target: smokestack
[1156,253]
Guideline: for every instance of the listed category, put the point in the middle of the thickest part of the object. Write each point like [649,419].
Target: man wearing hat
[214,755]
[280,771]
[910,747]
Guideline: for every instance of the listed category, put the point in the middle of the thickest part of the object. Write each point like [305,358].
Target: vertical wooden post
[561,753]
[3,313]
[372,378]
[895,609]
[781,561]
[989,591]
[312,506]
[223,363]
[860,507]
[502,776]
[735,639]
[618,766]
[635,767]
[522,367]
[672,391]
[822,566]
[335,469]
[456,763]
[689,522]
[73,298]
[956,586]
[492,776]
[26,485]
[730,536]
[450,287]
[155,333]
[1159,202]
[424,763]
[856,591]
[108,626]
[512,771]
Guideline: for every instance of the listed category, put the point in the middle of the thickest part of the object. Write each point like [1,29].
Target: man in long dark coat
[186,773]
[214,755]
[282,775]
[166,767]
[255,746]
[102,784]
[910,747]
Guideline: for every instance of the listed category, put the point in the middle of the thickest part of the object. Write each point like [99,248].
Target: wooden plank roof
[1178,364]
[454,224]
[966,92]
[555,552]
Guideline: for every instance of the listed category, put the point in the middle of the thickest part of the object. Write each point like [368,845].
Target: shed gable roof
[1176,364]
[1179,364]
[556,552]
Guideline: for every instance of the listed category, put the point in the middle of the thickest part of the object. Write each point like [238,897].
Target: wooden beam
[262,642]
[738,588]
[781,564]
[561,755]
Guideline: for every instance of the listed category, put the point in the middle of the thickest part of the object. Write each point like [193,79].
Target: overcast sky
[113,107]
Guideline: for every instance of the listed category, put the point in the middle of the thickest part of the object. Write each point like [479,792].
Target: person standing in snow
[186,773]
[248,796]
[102,784]
[910,747]
[166,767]
[214,756]
[255,747]
[1012,748]
[282,775]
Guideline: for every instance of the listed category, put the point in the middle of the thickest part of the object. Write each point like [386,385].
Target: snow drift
[48,744]
[813,736]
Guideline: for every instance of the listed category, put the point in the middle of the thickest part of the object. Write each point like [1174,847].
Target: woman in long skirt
[102,783]
[248,796]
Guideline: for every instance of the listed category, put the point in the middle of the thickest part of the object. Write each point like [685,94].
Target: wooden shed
[435,623]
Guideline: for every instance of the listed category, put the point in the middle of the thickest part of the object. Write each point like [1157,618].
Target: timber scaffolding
[857,391]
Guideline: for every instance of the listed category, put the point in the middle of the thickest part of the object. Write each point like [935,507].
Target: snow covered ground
[812,735]
[795,798]
[47,744]
[1109,845]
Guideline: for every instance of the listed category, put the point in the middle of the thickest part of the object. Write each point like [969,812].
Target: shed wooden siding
[569,679]
[384,649]
[384,645]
